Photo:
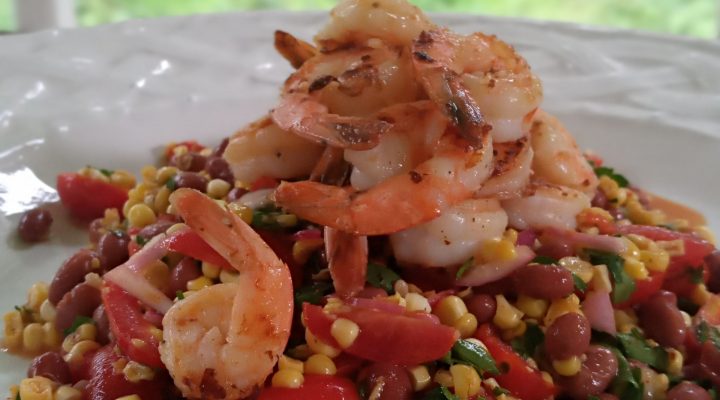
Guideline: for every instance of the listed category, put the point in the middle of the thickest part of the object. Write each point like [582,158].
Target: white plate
[111,96]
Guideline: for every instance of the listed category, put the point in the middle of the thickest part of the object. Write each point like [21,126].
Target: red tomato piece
[190,244]
[404,339]
[87,198]
[128,325]
[522,380]
[108,384]
[605,226]
[264,182]
[315,387]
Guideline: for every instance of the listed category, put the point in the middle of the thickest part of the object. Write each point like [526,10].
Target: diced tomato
[282,245]
[588,218]
[87,198]
[407,339]
[522,380]
[315,387]
[192,146]
[595,159]
[130,328]
[264,182]
[190,244]
[108,383]
[644,289]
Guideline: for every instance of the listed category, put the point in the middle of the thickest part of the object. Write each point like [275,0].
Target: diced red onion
[153,317]
[138,287]
[493,271]
[598,309]
[153,250]
[526,238]
[585,240]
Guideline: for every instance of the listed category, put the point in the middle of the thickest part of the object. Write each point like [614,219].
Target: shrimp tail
[294,50]
[347,261]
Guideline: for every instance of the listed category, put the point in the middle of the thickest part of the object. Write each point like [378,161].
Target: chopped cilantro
[696,275]
[312,294]
[713,393]
[545,260]
[266,218]
[106,172]
[627,384]
[463,268]
[139,239]
[526,344]
[440,393]
[79,320]
[624,285]
[478,357]
[580,285]
[180,295]
[635,347]
[382,277]
[171,184]
[497,391]
[610,173]
[707,332]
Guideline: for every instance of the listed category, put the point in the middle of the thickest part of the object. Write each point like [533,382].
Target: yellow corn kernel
[288,378]
[33,337]
[519,330]
[397,299]
[568,367]
[161,201]
[546,377]
[303,249]
[511,235]
[319,347]
[417,302]
[562,306]
[68,343]
[601,279]
[639,215]
[672,247]
[66,392]
[655,260]
[217,188]
[675,362]
[635,268]
[705,233]
[94,173]
[497,250]
[700,295]
[466,381]
[129,397]
[165,173]
[450,309]
[345,332]
[36,388]
[211,271]
[420,377]
[13,331]
[532,307]
[286,362]
[625,320]
[37,294]
[128,205]
[609,187]
[287,220]
[122,178]
[581,268]
[245,213]
[140,215]
[51,335]
[443,377]
[78,351]
[466,325]
[136,372]
[86,332]
[199,283]
[47,311]
[149,174]
[14,392]
[320,364]
[228,276]
[506,316]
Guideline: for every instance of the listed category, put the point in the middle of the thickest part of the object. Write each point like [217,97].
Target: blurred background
[697,18]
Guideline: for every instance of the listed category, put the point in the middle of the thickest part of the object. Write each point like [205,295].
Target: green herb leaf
[526,344]
[610,173]
[312,294]
[580,285]
[713,393]
[463,268]
[635,347]
[171,184]
[696,275]
[447,358]
[79,320]
[478,357]
[266,218]
[627,384]
[497,391]
[140,240]
[707,332]
[624,285]
[440,393]
[106,172]
[382,277]
[180,295]
[545,260]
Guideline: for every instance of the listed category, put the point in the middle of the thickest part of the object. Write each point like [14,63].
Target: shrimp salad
[406,223]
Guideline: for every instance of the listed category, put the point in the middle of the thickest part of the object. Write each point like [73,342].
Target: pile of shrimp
[390,125]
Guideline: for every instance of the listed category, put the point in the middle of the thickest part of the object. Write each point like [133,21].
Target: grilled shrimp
[294,50]
[263,149]
[512,170]
[347,256]
[463,74]
[223,341]
[546,206]
[453,237]
[557,157]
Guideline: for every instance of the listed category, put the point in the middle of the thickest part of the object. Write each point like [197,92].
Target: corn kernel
[639,215]
[13,331]
[532,307]
[635,268]
[320,364]
[228,276]
[140,215]
[129,397]
[497,250]
[165,173]
[288,378]
[506,316]
[396,299]
[420,377]
[610,188]
[33,337]
[443,377]
[417,302]
[657,260]
[245,213]
[581,268]
[345,332]
[211,271]
[675,362]
[562,306]
[512,333]
[161,201]
[672,247]
[77,353]
[286,362]
[136,372]
[511,235]
[199,283]
[51,335]
[686,318]
[37,294]
[47,311]
[36,388]
[122,178]
[86,332]
[66,392]
[319,347]
[466,325]
[303,249]
[601,279]
[287,220]
[568,367]
[450,309]
[466,381]
[625,320]
[706,234]
[700,295]
[217,188]
[400,287]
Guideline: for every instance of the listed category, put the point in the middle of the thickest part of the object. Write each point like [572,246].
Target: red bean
[185,271]
[688,391]
[35,225]
[72,272]
[235,194]
[218,168]
[50,365]
[192,162]
[543,281]
[82,300]
[220,149]
[113,249]
[155,229]
[482,306]
[191,180]
[598,370]
[395,380]
[569,335]
[660,317]
[710,362]
[103,325]
[607,396]
[713,263]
